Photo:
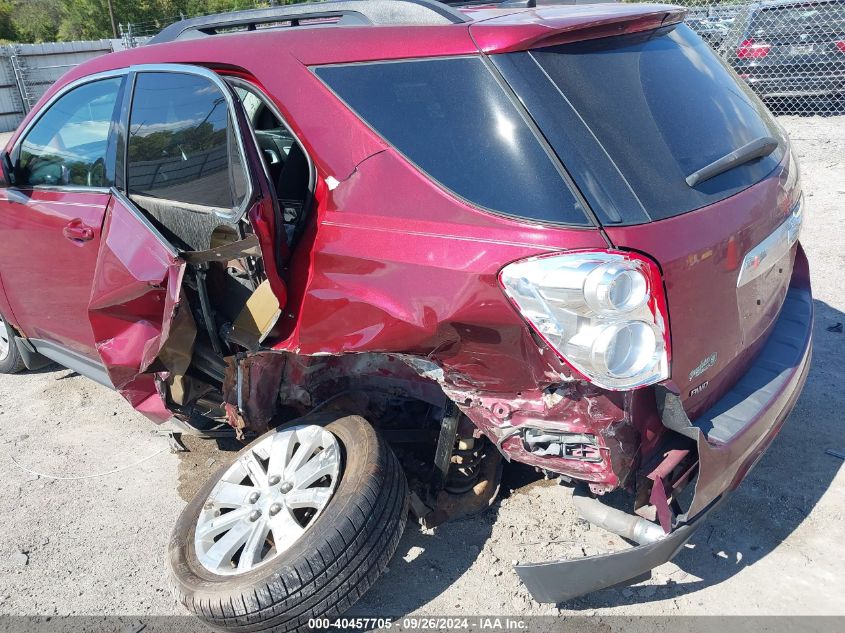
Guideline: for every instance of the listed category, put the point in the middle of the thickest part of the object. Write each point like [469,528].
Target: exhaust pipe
[629,526]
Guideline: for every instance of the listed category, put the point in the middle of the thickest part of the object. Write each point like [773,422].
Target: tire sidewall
[357,440]
[12,363]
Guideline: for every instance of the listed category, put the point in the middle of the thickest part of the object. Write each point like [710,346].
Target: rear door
[189,172]
[51,219]
[135,304]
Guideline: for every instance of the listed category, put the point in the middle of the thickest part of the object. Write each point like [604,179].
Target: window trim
[220,83]
[235,81]
[129,93]
[16,150]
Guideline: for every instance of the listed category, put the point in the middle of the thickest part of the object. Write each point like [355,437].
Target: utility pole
[111,17]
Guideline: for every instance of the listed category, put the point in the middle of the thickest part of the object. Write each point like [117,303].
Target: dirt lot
[96,545]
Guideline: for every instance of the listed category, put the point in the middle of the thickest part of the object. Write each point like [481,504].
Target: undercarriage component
[466,474]
[251,390]
[562,580]
[581,446]
[465,466]
[448,506]
[628,526]
[445,446]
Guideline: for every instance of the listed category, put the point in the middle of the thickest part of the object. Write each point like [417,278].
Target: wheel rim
[5,344]
[267,499]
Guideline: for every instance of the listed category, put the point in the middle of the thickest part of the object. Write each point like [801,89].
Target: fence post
[19,70]
[127,35]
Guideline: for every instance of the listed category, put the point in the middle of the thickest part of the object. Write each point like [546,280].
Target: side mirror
[7,168]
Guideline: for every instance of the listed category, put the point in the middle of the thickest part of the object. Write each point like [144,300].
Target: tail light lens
[841,45]
[749,49]
[603,312]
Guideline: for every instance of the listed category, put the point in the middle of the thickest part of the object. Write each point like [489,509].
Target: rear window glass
[452,119]
[662,105]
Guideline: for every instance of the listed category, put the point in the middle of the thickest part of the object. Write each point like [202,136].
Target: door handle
[77,231]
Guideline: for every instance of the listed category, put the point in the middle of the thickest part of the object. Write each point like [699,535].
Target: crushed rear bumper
[562,580]
[730,437]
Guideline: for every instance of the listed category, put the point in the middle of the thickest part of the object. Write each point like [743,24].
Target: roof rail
[347,12]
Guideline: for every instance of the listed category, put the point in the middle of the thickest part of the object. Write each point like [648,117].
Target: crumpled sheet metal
[418,274]
[310,380]
[135,298]
[571,407]
[260,376]
[398,266]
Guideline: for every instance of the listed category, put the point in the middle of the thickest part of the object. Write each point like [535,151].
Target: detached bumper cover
[730,437]
[562,580]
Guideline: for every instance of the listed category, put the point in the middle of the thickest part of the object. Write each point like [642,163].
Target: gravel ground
[97,545]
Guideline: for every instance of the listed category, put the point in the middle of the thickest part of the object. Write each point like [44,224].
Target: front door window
[68,145]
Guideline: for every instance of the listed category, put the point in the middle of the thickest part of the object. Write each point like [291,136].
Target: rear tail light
[749,49]
[841,45]
[603,312]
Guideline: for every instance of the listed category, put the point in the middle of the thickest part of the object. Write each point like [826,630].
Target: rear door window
[182,144]
[456,123]
[661,105]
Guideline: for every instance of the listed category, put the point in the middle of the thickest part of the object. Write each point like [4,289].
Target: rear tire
[10,358]
[330,565]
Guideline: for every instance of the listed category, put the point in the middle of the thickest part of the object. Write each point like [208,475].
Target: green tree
[63,20]
[37,20]
[85,20]
[7,26]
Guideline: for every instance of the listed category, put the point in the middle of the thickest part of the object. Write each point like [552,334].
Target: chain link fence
[27,70]
[791,52]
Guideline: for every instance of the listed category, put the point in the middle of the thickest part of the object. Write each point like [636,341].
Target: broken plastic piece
[257,319]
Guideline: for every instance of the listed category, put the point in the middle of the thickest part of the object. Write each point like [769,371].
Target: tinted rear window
[452,119]
[661,105]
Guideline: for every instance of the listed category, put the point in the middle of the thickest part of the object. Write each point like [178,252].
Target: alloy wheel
[267,499]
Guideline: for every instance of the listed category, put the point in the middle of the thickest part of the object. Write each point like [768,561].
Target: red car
[349,231]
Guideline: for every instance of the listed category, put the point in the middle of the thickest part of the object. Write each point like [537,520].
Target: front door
[51,218]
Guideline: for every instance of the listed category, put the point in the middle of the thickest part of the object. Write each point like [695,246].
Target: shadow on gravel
[202,459]
[779,493]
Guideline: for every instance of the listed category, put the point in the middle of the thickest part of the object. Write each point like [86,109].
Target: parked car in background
[387,243]
[790,49]
[713,23]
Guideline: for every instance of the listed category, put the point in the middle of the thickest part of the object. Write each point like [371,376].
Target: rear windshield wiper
[758,148]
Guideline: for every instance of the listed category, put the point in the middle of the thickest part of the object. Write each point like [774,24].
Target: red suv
[385,243]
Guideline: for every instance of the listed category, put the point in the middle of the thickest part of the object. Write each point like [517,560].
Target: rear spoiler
[550,26]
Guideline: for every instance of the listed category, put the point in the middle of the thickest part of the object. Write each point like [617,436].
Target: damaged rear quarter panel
[399,266]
